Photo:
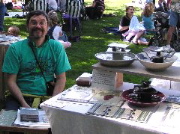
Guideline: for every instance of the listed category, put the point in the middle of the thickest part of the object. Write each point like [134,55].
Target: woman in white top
[55,30]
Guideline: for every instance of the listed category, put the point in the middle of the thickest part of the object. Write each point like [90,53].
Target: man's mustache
[37,29]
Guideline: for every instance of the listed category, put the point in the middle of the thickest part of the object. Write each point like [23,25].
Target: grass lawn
[81,54]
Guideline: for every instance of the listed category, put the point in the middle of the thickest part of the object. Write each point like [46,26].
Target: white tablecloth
[67,117]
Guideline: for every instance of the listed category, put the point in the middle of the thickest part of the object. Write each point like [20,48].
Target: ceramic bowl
[115,59]
[148,64]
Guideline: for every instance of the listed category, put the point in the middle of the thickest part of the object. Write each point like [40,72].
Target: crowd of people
[133,30]
[33,62]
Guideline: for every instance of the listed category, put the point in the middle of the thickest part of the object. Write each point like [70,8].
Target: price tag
[103,79]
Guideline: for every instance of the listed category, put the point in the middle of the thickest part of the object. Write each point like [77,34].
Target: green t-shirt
[20,60]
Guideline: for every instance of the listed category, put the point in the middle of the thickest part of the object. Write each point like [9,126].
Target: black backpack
[9,6]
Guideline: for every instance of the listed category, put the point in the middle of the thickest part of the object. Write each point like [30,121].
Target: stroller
[162,26]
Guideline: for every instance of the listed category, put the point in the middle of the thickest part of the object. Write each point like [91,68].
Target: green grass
[81,54]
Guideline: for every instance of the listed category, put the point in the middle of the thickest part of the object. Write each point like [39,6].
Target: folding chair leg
[79,26]
[70,26]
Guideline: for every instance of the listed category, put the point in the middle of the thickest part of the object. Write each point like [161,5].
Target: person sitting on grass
[96,10]
[147,17]
[55,31]
[131,35]
[13,30]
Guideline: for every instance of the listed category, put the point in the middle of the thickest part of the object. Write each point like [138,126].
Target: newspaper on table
[77,94]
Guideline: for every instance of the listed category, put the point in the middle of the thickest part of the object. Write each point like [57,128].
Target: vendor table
[172,73]
[70,117]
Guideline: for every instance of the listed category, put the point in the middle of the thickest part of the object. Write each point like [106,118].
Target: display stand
[172,73]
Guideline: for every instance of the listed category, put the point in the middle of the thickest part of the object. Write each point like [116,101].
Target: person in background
[124,28]
[38,5]
[168,4]
[2,14]
[162,6]
[52,5]
[96,10]
[147,17]
[125,20]
[13,30]
[150,1]
[174,18]
[61,5]
[32,62]
[55,30]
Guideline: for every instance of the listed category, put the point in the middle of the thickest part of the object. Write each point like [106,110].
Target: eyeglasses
[131,9]
[35,23]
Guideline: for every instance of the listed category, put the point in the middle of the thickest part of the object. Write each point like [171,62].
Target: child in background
[13,30]
[147,17]
[130,27]
[55,30]
[136,28]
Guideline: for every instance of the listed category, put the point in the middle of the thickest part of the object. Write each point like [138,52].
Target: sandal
[134,42]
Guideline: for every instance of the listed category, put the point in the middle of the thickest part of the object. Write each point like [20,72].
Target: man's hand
[25,105]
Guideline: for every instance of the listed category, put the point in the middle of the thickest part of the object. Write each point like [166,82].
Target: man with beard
[33,62]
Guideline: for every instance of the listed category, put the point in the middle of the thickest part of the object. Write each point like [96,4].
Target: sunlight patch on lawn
[92,37]
[82,64]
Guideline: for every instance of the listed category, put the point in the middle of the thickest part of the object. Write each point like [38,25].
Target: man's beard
[33,33]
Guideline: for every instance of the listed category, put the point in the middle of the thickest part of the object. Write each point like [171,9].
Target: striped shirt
[74,7]
[40,5]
